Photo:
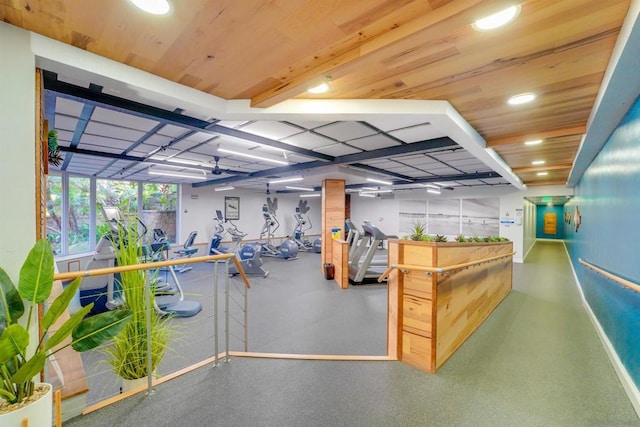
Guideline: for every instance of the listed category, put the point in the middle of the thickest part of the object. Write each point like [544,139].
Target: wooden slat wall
[340,259]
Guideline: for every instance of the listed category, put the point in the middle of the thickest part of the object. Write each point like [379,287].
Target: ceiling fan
[217,170]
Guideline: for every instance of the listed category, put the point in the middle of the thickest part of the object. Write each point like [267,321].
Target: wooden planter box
[431,315]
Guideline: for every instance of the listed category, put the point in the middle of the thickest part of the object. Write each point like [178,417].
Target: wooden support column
[333,205]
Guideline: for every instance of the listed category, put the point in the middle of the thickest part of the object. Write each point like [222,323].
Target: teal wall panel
[605,231]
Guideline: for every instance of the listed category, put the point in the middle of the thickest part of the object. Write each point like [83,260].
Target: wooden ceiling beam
[542,168]
[454,15]
[546,182]
[520,139]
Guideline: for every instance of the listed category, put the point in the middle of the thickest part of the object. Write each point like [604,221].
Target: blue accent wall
[559,211]
[608,199]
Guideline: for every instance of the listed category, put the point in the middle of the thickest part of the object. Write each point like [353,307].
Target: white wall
[530,221]
[197,213]
[383,213]
[17,133]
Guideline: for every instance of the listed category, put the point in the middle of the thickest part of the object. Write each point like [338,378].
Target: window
[159,204]
[123,194]
[78,219]
[54,213]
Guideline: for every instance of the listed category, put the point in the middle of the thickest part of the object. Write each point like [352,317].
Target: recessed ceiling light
[155,7]
[533,142]
[537,162]
[522,98]
[321,88]
[542,173]
[497,19]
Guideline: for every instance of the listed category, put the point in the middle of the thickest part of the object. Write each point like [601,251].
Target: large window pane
[78,220]
[480,217]
[123,194]
[159,203]
[54,213]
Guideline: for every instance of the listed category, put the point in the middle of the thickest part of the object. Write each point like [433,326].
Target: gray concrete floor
[536,361]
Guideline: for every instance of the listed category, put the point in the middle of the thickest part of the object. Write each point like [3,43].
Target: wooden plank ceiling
[269,51]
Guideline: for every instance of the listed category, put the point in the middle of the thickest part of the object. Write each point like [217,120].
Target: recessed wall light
[533,142]
[497,19]
[520,99]
[321,88]
[538,162]
[155,7]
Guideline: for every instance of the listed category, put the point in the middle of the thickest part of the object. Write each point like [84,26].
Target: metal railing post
[215,315]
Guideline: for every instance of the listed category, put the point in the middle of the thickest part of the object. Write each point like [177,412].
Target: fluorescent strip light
[280,181]
[251,156]
[379,181]
[433,191]
[533,142]
[176,174]
[366,195]
[376,191]
[369,188]
[432,186]
[227,188]
[299,188]
[184,162]
[538,162]
[311,195]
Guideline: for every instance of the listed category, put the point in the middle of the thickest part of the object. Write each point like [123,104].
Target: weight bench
[187,251]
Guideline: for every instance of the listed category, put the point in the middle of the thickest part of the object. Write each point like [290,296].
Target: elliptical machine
[288,249]
[303,223]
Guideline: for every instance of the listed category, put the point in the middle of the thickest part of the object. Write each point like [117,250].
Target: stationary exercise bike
[287,249]
[249,254]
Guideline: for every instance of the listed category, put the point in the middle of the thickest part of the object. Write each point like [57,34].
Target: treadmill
[371,266]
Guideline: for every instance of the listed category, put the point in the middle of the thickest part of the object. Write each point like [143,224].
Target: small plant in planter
[417,231]
[17,367]
[53,151]
[461,239]
[440,238]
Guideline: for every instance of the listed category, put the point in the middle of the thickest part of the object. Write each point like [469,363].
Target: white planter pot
[39,413]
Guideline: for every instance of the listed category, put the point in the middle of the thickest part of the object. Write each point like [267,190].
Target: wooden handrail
[440,269]
[150,265]
[624,282]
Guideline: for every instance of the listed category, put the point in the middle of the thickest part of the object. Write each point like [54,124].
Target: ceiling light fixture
[542,173]
[196,174]
[521,98]
[251,156]
[311,195]
[155,7]
[280,181]
[432,186]
[533,142]
[379,181]
[376,191]
[366,195]
[432,191]
[299,188]
[227,188]
[184,162]
[538,162]
[321,88]
[497,19]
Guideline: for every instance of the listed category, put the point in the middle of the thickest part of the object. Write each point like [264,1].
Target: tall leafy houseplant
[17,366]
[128,352]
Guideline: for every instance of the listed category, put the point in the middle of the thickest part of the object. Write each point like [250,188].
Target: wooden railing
[624,282]
[153,265]
[430,270]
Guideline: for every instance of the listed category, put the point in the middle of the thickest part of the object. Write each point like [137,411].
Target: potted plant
[128,350]
[18,364]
